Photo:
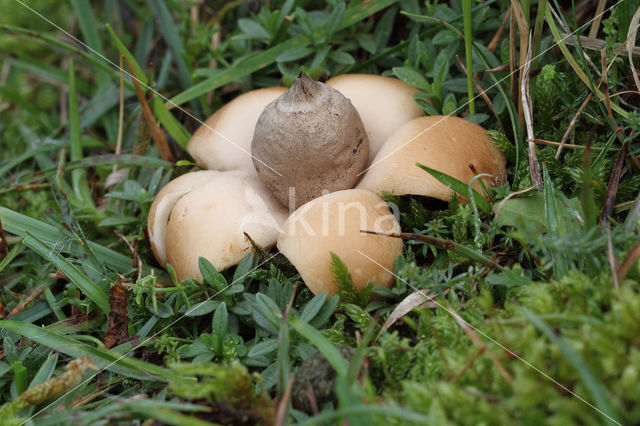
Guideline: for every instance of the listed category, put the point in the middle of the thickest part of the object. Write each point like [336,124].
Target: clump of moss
[229,390]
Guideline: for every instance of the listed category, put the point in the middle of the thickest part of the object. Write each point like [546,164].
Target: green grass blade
[236,72]
[168,416]
[457,186]
[88,287]
[172,37]
[170,123]
[632,217]
[598,392]
[19,224]
[265,58]
[140,75]
[90,57]
[468,50]
[103,358]
[79,176]
[382,410]
[25,156]
[575,66]
[88,27]
[124,160]
[550,207]
[511,108]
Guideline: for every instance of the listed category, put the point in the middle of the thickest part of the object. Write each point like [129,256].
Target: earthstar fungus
[310,139]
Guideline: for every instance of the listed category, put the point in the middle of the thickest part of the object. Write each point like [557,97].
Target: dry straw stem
[493,44]
[284,401]
[560,42]
[631,41]
[420,298]
[572,125]
[598,44]
[534,165]
[612,189]
[631,258]
[512,62]
[605,83]
[597,18]
[523,27]
[569,145]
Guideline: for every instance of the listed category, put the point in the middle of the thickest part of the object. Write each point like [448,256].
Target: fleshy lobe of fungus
[384,104]
[310,139]
[164,202]
[223,142]
[444,143]
[332,223]
[211,221]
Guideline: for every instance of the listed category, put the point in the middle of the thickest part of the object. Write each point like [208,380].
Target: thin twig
[469,363]
[631,258]
[478,342]
[612,189]
[493,44]
[508,197]
[483,94]
[598,44]
[282,405]
[572,124]
[569,145]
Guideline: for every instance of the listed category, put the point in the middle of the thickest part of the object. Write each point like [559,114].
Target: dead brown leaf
[117,332]
[416,299]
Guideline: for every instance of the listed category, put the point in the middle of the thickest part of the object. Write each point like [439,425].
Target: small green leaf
[202,308]
[88,287]
[458,187]
[312,308]
[295,54]
[263,348]
[211,275]
[412,77]
[219,326]
[140,75]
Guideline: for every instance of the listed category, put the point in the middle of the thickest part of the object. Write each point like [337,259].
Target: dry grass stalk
[572,125]
[598,44]
[527,109]
[597,18]
[631,41]
[628,261]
